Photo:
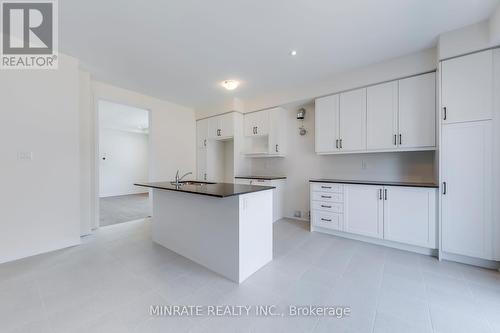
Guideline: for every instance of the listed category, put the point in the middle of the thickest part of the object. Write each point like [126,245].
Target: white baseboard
[117,194]
[53,247]
[383,242]
[490,264]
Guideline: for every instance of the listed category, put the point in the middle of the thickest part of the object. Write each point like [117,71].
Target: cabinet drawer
[328,220]
[328,196]
[327,187]
[328,206]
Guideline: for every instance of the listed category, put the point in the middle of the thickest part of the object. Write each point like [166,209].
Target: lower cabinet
[364,213]
[278,193]
[400,214]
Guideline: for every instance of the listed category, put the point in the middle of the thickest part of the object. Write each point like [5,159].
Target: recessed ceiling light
[293,53]
[230,84]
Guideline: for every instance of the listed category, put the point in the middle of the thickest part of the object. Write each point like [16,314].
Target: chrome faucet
[178,179]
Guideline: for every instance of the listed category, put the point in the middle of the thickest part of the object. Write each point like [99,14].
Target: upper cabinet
[201,133]
[221,127]
[467,88]
[392,116]
[257,123]
[327,123]
[352,120]
[265,133]
[417,112]
[382,116]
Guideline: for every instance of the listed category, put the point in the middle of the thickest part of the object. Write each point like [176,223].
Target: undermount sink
[191,182]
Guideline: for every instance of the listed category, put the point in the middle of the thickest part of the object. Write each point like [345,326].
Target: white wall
[495,27]
[125,163]
[39,198]
[302,164]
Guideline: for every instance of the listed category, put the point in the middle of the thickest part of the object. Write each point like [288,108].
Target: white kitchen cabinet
[277,131]
[352,120]
[201,164]
[467,88]
[466,164]
[382,116]
[363,210]
[410,215]
[326,124]
[278,193]
[417,112]
[256,123]
[201,133]
[221,127]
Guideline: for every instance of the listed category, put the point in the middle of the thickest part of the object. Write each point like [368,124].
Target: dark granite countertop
[370,182]
[261,177]
[219,190]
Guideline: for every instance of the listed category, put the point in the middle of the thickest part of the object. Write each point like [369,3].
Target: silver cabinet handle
[205,142]
[385,194]
[380,194]
[445,113]
[395,140]
[276,148]
[325,206]
[340,142]
[326,186]
[445,190]
[400,139]
[205,176]
[337,143]
[256,130]
[326,220]
[326,196]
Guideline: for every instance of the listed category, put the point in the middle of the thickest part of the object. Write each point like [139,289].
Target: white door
[201,133]
[410,215]
[352,120]
[363,210]
[466,190]
[467,87]
[417,112]
[326,111]
[382,116]
[201,164]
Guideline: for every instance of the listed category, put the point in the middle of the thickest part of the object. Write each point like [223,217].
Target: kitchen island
[225,227]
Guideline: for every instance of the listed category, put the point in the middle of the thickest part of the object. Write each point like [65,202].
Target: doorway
[123,151]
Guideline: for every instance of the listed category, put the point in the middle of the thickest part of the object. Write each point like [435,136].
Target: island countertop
[219,190]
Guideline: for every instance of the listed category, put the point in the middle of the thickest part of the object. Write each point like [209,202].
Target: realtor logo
[29,34]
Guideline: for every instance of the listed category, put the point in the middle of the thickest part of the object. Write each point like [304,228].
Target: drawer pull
[326,196]
[325,206]
[326,220]
[326,187]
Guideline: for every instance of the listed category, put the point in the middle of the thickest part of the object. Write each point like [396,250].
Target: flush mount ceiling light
[293,53]
[230,84]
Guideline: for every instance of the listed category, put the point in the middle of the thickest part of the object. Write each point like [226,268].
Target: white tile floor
[108,284]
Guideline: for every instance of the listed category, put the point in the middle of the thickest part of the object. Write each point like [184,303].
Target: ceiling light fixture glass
[230,84]
[293,53]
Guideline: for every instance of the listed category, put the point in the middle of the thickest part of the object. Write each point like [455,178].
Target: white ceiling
[179,50]
[123,117]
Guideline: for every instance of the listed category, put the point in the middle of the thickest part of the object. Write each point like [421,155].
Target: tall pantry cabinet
[469,155]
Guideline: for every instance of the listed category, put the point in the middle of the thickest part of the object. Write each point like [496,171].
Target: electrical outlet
[297,213]
[25,155]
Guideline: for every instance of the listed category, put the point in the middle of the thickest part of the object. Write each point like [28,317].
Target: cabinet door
[382,116]
[226,124]
[410,215]
[326,124]
[467,87]
[213,127]
[201,164]
[277,131]
[363,210]
[467,191]
[352,120]
[201,133]
[417,111]
[262,124]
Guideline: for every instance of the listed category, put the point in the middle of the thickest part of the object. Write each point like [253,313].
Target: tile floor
[123,208]
[108,283]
